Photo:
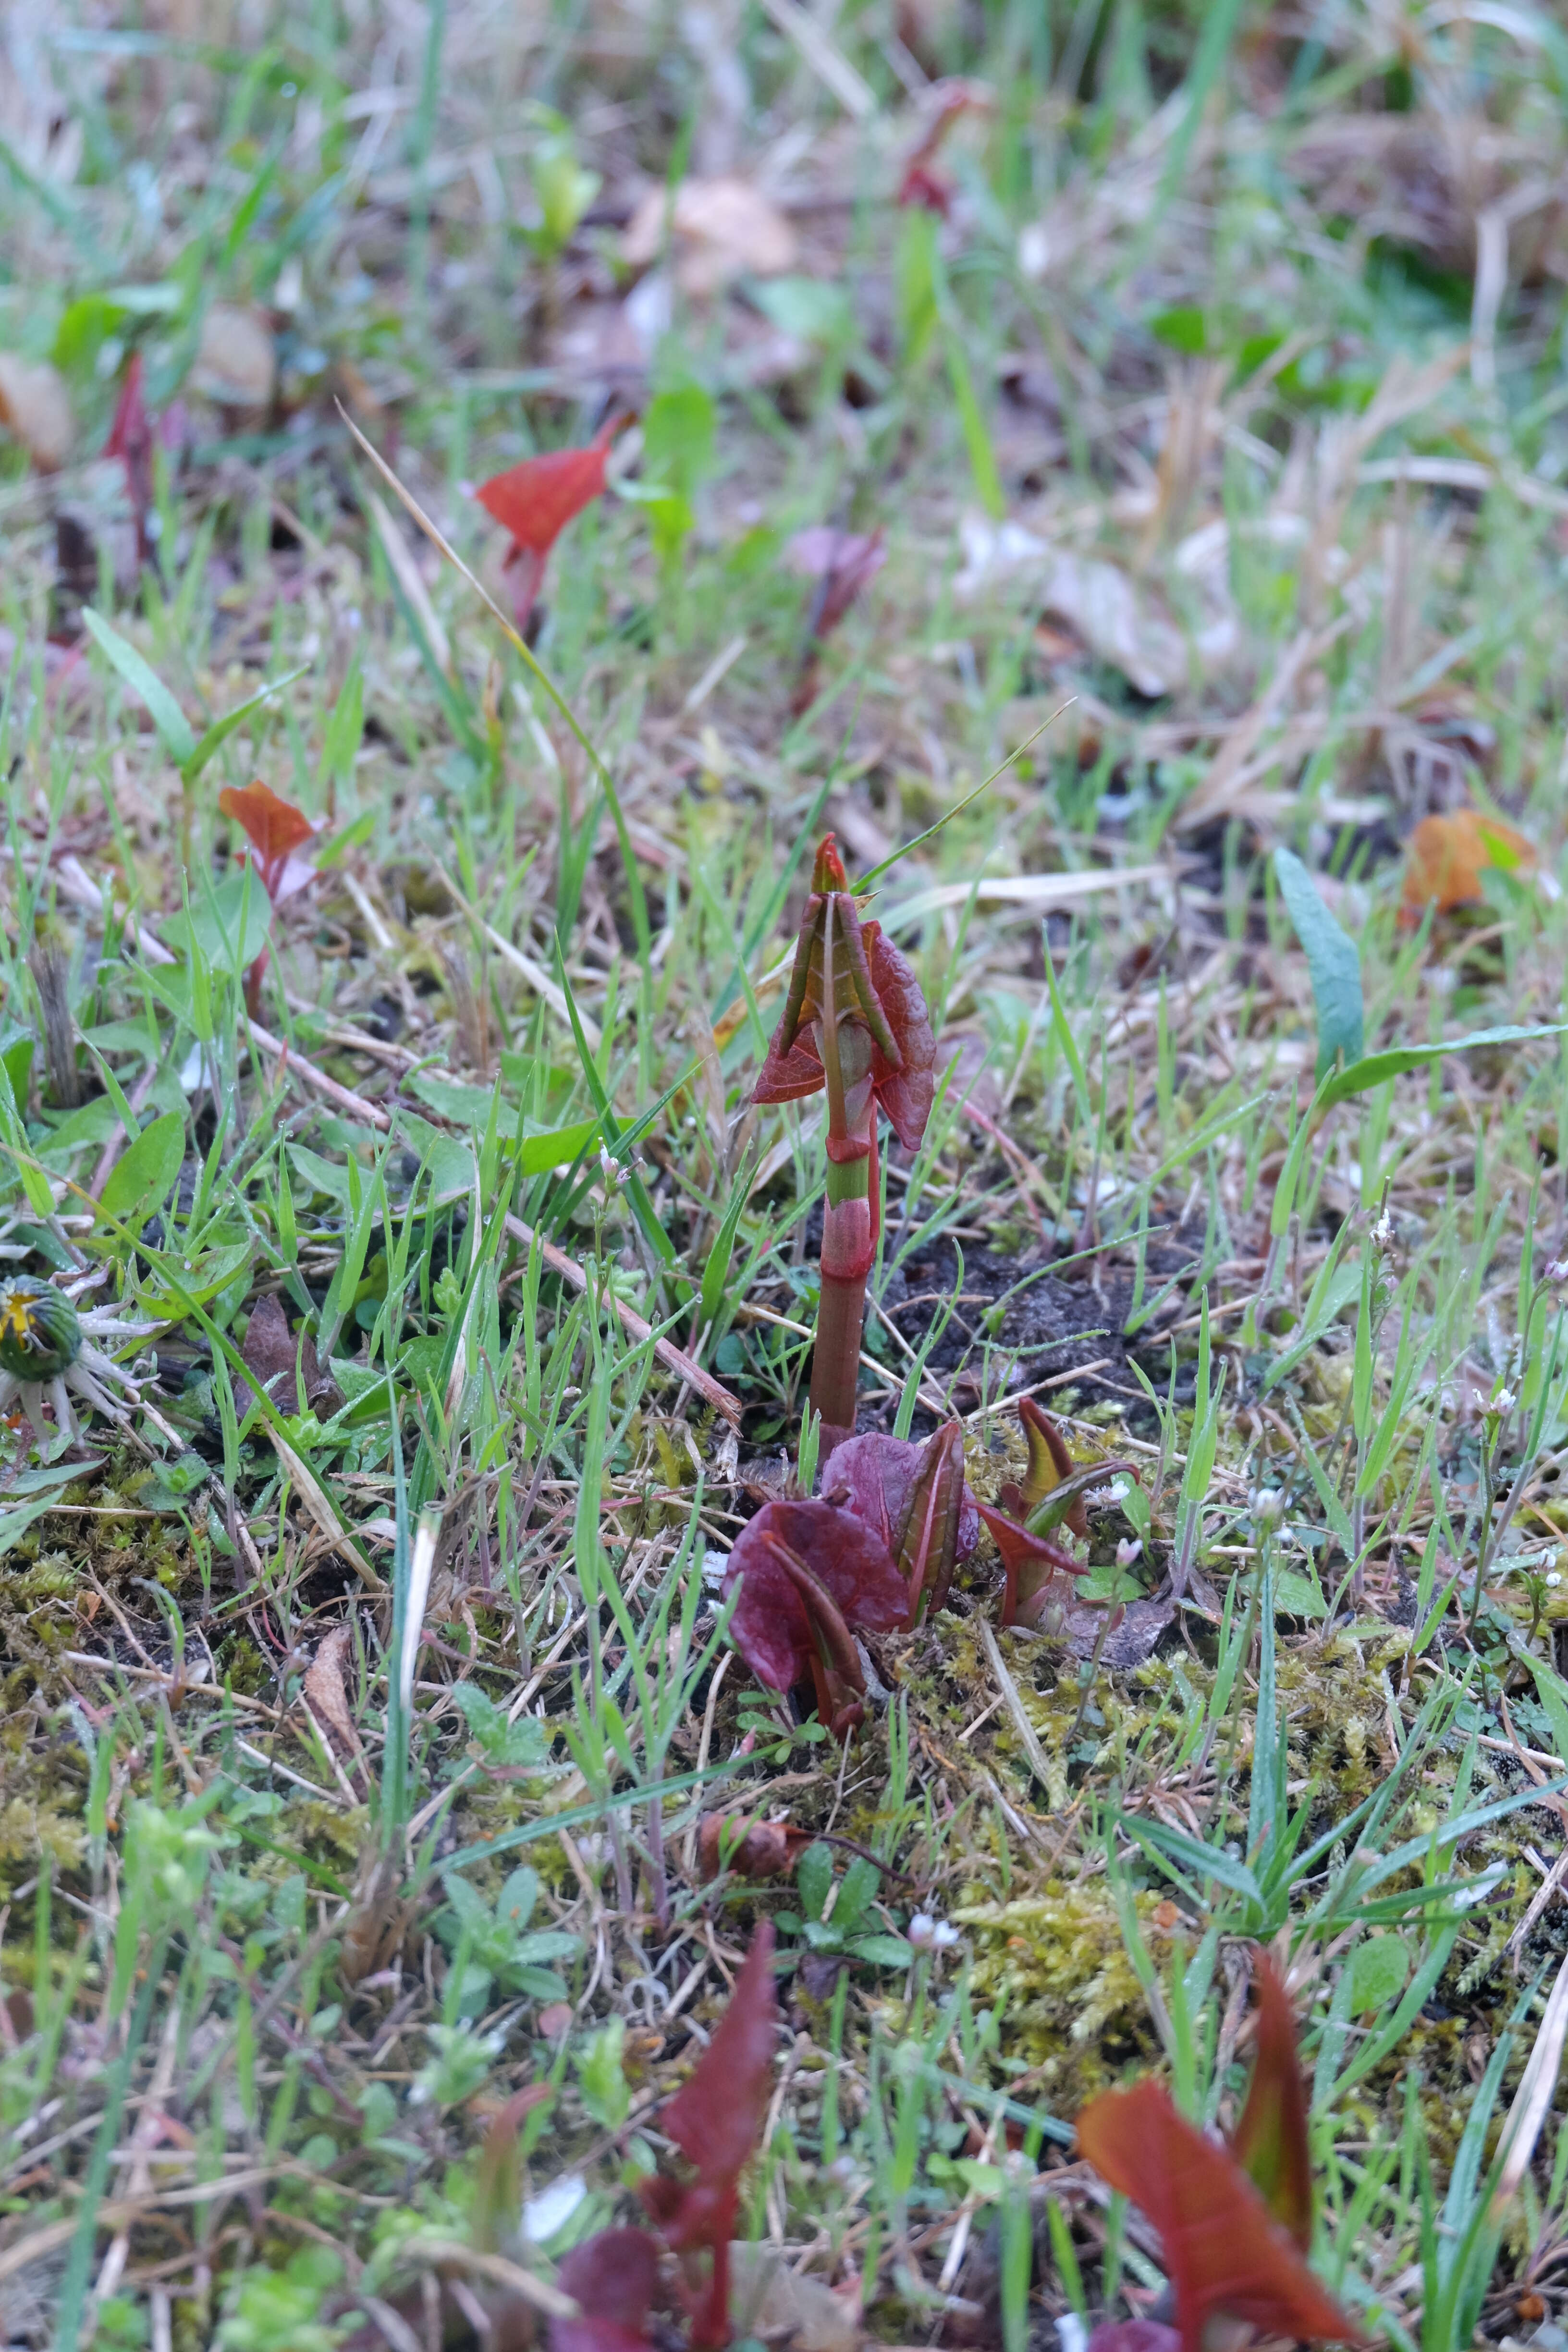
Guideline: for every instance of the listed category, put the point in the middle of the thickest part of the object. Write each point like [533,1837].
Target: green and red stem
[849,1251]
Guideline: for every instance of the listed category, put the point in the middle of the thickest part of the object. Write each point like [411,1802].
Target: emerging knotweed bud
[809,1573]
[914,1497]
[854,1026]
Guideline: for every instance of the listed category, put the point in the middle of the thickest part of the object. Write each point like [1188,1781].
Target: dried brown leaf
[36,407]
[325,1692]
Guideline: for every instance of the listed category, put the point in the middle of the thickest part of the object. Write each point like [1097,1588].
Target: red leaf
[275,829]
[1134,2336]
[1269,2141]
[614,2277]
[790,1076]
[131,440]
[715,2120]
[877,1002]
[879,1479]
[906,1094]
[770,1627]
[1223,2251]
[1041,1578]
[536,500]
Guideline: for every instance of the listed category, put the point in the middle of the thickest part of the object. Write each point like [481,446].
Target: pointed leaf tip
[1269,2141]
[828,874]
[1224,2252]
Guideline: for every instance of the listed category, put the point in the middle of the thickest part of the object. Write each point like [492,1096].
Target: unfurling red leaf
[131,440]
[874,990]
[771,1626]
[1449,855]
[1269,2141]
[906,1092]
[915,1499]
[1223,2251]
[1049,1463]
[275,829]
[922,183]
[1041,1577]
[498,2180]
[715,2120]
[614,2277]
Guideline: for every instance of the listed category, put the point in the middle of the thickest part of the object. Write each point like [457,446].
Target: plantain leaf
[1332,960]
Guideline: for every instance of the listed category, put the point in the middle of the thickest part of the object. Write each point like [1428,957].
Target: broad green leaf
[229,926]
[1376,1069]
[40,1488]
[806,309]
[555,1147]
[173,726]
[1552,1693]
[143,1178]
[1332,960]
[200,1278]
[1379,1969]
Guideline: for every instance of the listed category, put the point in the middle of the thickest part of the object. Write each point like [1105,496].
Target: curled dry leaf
[1116,621]
[237,362]
[36,407]
[782,2306]
[286,1367]
[326,1692]
[1449,855]
[720,229]
[750,1848]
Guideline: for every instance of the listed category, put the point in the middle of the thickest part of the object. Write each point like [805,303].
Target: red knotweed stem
[848,1253]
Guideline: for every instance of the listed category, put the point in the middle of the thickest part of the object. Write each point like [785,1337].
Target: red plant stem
[849,1225]
[835,1362]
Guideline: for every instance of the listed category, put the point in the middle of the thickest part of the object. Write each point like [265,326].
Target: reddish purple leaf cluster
[877,1551]
[1234,2220]
[715,2119]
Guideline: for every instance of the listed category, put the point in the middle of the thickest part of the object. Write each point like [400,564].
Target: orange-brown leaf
[536,500]
[1223,2249]
[1449,855]
[273,826]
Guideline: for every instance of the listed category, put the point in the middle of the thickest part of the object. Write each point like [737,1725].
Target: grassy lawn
[1107,463]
